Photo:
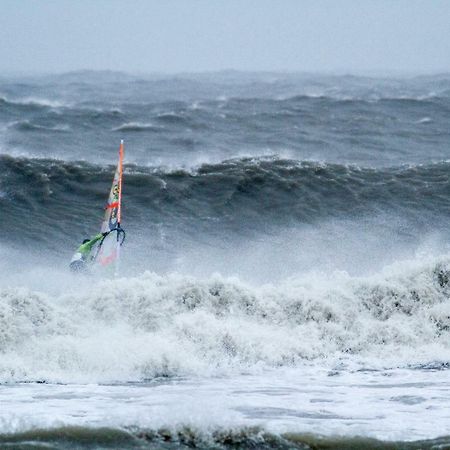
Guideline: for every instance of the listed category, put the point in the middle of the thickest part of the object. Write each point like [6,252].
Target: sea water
[285,278]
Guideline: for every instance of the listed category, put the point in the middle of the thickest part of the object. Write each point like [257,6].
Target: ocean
[285,280]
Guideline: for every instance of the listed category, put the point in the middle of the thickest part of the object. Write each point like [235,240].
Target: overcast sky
[204,35]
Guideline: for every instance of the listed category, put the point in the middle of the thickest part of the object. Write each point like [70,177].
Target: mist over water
[277,226]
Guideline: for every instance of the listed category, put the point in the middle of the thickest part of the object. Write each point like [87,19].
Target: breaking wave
[148,326]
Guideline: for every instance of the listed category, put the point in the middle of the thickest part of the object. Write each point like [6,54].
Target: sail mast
[119,209]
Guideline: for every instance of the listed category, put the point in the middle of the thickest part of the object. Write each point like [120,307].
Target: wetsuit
[82,257]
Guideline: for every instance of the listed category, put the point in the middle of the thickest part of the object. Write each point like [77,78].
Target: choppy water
[285,281]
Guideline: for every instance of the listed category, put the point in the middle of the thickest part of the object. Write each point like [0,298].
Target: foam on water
[303,404]
[150,325]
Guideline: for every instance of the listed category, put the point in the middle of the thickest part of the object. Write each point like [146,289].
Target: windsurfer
[97,250]
[83,256]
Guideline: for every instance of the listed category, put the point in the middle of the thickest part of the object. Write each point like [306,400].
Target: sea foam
[151,325]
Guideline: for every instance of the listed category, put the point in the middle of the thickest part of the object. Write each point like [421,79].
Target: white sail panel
[109,248]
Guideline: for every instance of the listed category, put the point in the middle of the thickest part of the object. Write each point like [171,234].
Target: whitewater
[285,281]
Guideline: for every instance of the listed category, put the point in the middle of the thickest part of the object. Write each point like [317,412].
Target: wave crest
[136,126]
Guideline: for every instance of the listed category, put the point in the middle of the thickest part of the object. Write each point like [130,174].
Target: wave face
[230,192]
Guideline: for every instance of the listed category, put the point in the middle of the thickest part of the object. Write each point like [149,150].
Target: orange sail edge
[119,209]
[113,208]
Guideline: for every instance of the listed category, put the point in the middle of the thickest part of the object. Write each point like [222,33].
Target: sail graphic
[108,251]
[111,220]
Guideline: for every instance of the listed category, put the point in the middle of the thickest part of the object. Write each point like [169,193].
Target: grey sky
[199,35]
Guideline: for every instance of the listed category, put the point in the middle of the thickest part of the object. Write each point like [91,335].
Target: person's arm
[88,246]
[96,238]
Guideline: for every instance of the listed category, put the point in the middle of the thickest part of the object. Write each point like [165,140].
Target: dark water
[224,157]
[247,438]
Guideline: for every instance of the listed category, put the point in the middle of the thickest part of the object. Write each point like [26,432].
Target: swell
[209,113]
[26,125]
[42,110]
[30,103]
[239,193]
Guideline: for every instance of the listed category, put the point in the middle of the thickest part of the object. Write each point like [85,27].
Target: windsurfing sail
[108,251]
